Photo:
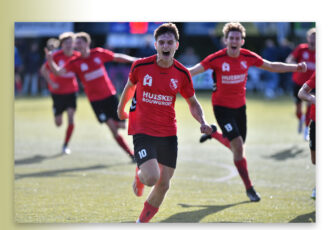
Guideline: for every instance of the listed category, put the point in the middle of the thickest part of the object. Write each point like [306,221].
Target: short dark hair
[167,28]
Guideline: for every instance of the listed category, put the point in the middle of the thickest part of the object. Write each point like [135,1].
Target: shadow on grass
[305,218]
[197,215]
[283,155]
[52,173]
[36,159]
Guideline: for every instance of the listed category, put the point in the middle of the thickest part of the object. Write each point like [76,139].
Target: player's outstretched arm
[197,112]
[281,67]
[196,69]
[127,94]
[123,58]
[53,66]
[304,94]
[45,74]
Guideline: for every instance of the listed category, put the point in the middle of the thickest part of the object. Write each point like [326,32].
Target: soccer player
[154,81]
[89,67]
[230,69]
[303,52]
[64,87]
[305,94]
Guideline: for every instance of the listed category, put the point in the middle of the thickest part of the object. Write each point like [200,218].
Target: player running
[154,81]
[89,67]
[63,87]
[230,69]
[305,93]
[303,52]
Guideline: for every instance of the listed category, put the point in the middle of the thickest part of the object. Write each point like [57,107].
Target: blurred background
[274,41]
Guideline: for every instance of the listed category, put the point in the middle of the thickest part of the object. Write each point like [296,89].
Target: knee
[151,180]
[58,122]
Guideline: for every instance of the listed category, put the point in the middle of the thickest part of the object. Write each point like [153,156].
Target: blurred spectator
[189,58]
[284,49]
[32,64]
[271,79]
[148,49]
[18,70]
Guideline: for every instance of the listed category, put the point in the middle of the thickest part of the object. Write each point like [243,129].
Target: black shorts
[164,149]
[312,138]
[61,102]
[231,121]
[296,89]
[106,108]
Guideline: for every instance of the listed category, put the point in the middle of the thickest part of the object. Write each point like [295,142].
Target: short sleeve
[187,88]
[311,82]
[133,73]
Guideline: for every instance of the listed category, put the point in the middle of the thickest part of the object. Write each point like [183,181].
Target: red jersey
[311,84]
[152,110]
[92,73]
[302,53]
[230,76]
[67,82]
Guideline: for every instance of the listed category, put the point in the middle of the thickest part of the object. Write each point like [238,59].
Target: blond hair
[233,26]
[64,36]
[311,31]
[85,36]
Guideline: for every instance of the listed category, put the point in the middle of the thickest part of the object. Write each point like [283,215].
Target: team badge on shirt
[225,67]
[173,84]
[83,67]
[147,80]
[244,64]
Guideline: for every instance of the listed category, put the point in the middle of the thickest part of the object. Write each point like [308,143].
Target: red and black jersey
[302,53]
[311,84]
[67,83]
[92,73]
[230,76]
[152,110]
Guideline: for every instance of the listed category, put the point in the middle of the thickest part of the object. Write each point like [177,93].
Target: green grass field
[94,183]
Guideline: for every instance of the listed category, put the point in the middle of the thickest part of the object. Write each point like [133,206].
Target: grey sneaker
[253,195]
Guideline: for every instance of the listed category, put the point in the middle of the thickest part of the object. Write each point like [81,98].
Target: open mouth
[166,53]
[234,47]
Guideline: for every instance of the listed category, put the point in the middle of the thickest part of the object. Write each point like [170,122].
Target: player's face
[80,44]
[311,41]
[234,42]
[67,44]
[166,46]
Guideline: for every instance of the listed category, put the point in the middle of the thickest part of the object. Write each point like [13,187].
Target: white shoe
[313,196]
[306,133]
[66,150]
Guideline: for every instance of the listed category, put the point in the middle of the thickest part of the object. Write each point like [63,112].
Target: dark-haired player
[154,81]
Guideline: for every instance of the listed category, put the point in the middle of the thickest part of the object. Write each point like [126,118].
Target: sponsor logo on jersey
[244,64]
[83,67]
[233,79]
[97,60]
[93,75]
[147,80]
[61,63]
[225,67]
[173,84]
[157,99]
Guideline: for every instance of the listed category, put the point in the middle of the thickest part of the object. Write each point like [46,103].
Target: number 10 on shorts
[142,153]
